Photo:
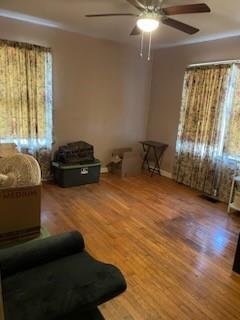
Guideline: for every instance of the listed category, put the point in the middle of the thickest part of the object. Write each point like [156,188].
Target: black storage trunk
[77,174]
[79,152]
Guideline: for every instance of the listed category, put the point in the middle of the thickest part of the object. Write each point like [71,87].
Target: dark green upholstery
[32,254]
[93,314]
[56,278]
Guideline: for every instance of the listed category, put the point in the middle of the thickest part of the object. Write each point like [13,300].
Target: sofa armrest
[38,252]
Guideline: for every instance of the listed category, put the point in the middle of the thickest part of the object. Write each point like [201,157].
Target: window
[25,95]
[208,141]
[232,115]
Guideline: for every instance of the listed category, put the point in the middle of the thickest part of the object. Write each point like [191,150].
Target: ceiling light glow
[148,23]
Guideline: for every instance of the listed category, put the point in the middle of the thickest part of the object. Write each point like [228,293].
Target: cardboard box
[129,164]
[20,212]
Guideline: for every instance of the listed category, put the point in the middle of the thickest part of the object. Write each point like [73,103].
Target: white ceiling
[223,21]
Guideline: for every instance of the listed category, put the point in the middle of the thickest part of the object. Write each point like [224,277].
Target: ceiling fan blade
[110,15]
[137,4]
[179,26]
[135,31]
[189,8]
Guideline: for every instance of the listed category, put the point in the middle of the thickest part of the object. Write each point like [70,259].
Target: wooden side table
[232,204]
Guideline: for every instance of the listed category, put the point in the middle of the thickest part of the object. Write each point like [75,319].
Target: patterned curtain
[232,139]
[26,100]
[201,161]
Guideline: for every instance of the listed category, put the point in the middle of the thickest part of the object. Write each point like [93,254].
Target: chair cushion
[51,291]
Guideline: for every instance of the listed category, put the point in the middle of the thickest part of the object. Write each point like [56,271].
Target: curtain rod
[213,63]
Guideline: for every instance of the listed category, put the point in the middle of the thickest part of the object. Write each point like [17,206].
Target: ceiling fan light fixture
[148,22]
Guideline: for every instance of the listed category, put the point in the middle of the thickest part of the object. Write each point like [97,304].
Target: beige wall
[167,82]
[101,89]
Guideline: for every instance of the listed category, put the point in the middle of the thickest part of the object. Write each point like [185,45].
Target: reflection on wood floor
[175,249]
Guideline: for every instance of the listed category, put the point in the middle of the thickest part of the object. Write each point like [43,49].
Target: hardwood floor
[175,249]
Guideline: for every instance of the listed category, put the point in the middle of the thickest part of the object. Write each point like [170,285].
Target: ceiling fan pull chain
[142,41]
[150,45]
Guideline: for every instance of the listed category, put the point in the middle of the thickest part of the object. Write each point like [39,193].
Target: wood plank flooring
[175,249]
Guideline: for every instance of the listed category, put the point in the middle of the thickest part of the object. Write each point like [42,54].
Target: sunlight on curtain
[26,99]
[208,142]
[232,139]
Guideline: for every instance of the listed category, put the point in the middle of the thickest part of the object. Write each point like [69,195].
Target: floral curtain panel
[232,139]
[26,99]
[208,143]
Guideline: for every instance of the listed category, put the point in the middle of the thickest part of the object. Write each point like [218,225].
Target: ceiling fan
[153,11]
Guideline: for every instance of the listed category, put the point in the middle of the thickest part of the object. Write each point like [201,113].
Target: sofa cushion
[54,290]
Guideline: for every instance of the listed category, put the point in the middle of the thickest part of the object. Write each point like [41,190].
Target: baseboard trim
[163,172]
[166,174]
